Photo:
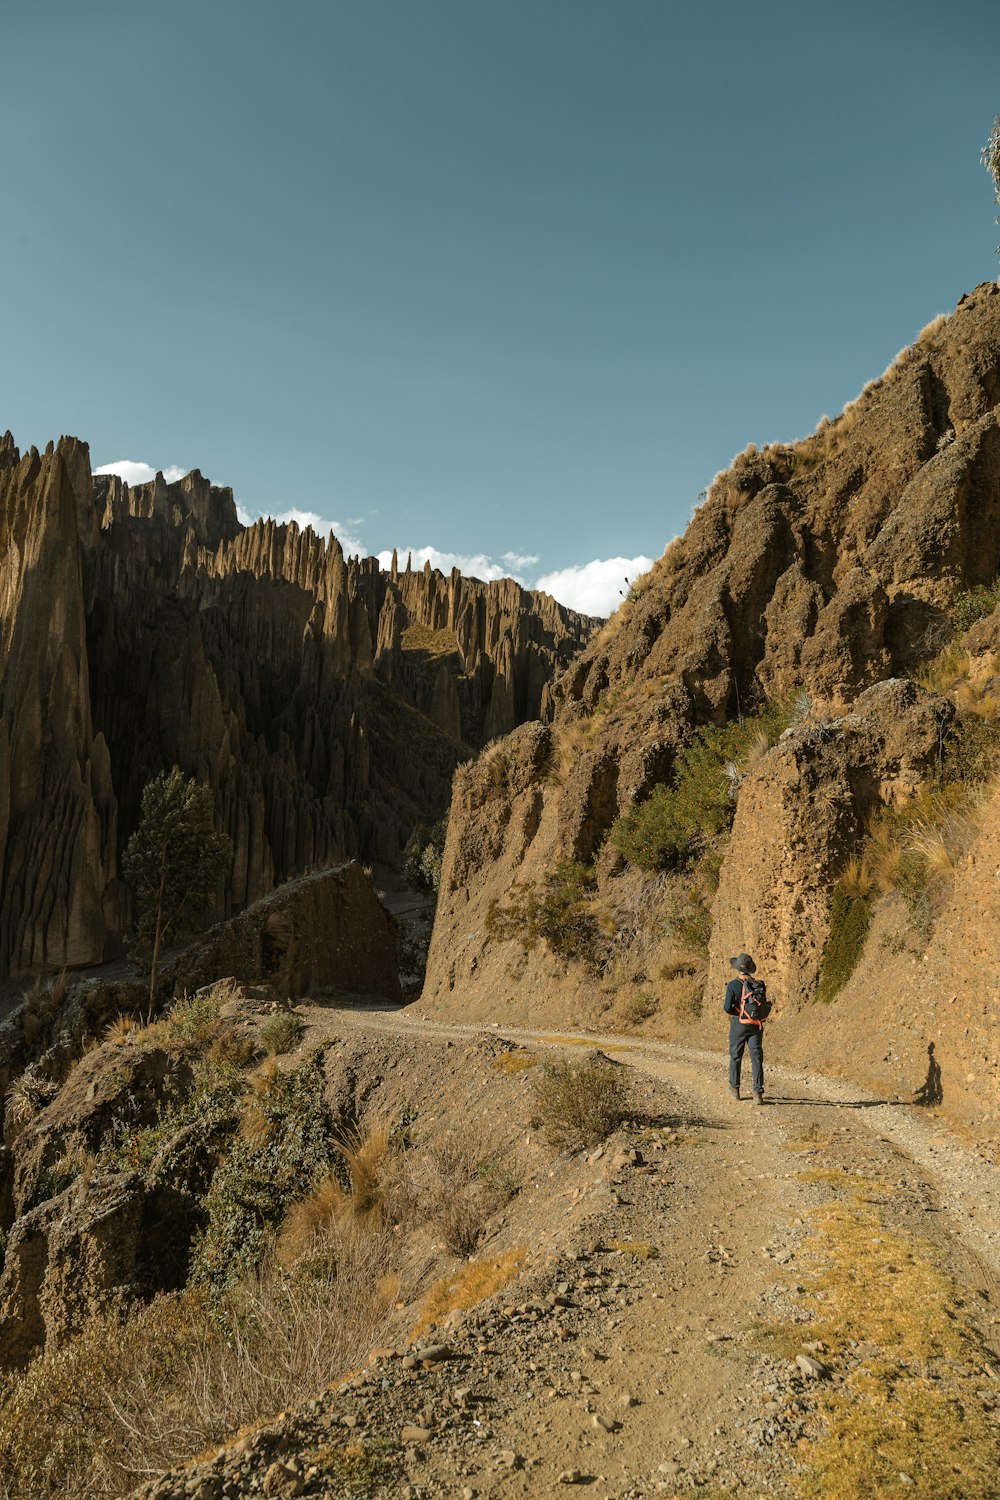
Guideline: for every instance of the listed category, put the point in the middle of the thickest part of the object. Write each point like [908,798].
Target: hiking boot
[734,1093]
[758,1098]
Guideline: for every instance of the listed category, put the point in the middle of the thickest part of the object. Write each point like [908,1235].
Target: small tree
[990,158]
[173,861]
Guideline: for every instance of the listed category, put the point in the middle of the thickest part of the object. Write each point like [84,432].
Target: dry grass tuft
[637,1249]
[858,879]
[280,1032]
[477,1280]
[755,752]
[332,1210]
[122,1029]
[311,1221]
[516,1061]
[27,1096]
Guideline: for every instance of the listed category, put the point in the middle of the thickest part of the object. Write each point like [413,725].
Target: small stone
[570,1476]
[508,1459]
[813,1369]
[280,1479]
[433,1353]
[606,1424]
[409,1362]
[416,1435]
[670,1467]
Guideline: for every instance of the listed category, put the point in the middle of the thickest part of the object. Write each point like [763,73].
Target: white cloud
[594,588]
[139,473]
[473,565]
[519,560]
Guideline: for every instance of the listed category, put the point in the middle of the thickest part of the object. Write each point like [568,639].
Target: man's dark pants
[752,1038]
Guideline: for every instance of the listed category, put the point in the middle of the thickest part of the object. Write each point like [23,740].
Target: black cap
[744,963]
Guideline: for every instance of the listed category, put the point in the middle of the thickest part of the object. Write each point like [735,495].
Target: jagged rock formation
[828,568]
[831,563]
[326,702]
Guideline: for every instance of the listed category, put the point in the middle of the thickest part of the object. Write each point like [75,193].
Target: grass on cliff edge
[916,1392]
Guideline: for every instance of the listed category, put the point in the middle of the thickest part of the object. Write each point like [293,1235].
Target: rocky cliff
[326,702]
[823,577]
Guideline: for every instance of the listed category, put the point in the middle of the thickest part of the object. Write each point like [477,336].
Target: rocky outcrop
[824,573]
[919,1021]
[325,702]
[831,563]
[325,931]
[800,813]
[58,810]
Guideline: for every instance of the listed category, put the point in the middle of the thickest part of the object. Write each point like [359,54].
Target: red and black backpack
[755,1007]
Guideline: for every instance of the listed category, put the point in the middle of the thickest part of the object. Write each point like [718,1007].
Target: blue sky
[505,279]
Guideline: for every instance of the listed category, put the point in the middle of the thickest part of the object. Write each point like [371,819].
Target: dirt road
[689,1379]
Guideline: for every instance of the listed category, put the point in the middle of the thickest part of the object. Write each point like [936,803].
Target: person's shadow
[930,1091]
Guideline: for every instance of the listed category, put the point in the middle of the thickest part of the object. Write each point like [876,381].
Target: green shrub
[849,920]
[975,604]
[423,855]
[559,909]
[580,1104]
[286,1142]
[680,818]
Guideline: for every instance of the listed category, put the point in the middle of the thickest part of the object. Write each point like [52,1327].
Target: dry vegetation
[314,1236]
[913,1403]
[580,1104]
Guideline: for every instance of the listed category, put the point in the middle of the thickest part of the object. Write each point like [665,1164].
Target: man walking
[747,1004]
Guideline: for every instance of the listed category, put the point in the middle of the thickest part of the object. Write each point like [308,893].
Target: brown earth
[666,1366]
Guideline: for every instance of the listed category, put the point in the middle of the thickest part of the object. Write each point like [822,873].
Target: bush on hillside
[849,921]
[558,909]
[423,855]
[681,818]
[280,1032]
[286,1142]
[975,604]
[580,1104]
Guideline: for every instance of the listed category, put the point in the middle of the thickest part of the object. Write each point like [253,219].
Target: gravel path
[632,1356]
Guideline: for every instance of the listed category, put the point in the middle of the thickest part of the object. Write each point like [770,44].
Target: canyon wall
[327,703]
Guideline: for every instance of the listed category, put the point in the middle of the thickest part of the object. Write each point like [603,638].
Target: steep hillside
[796,671]
[326,702]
